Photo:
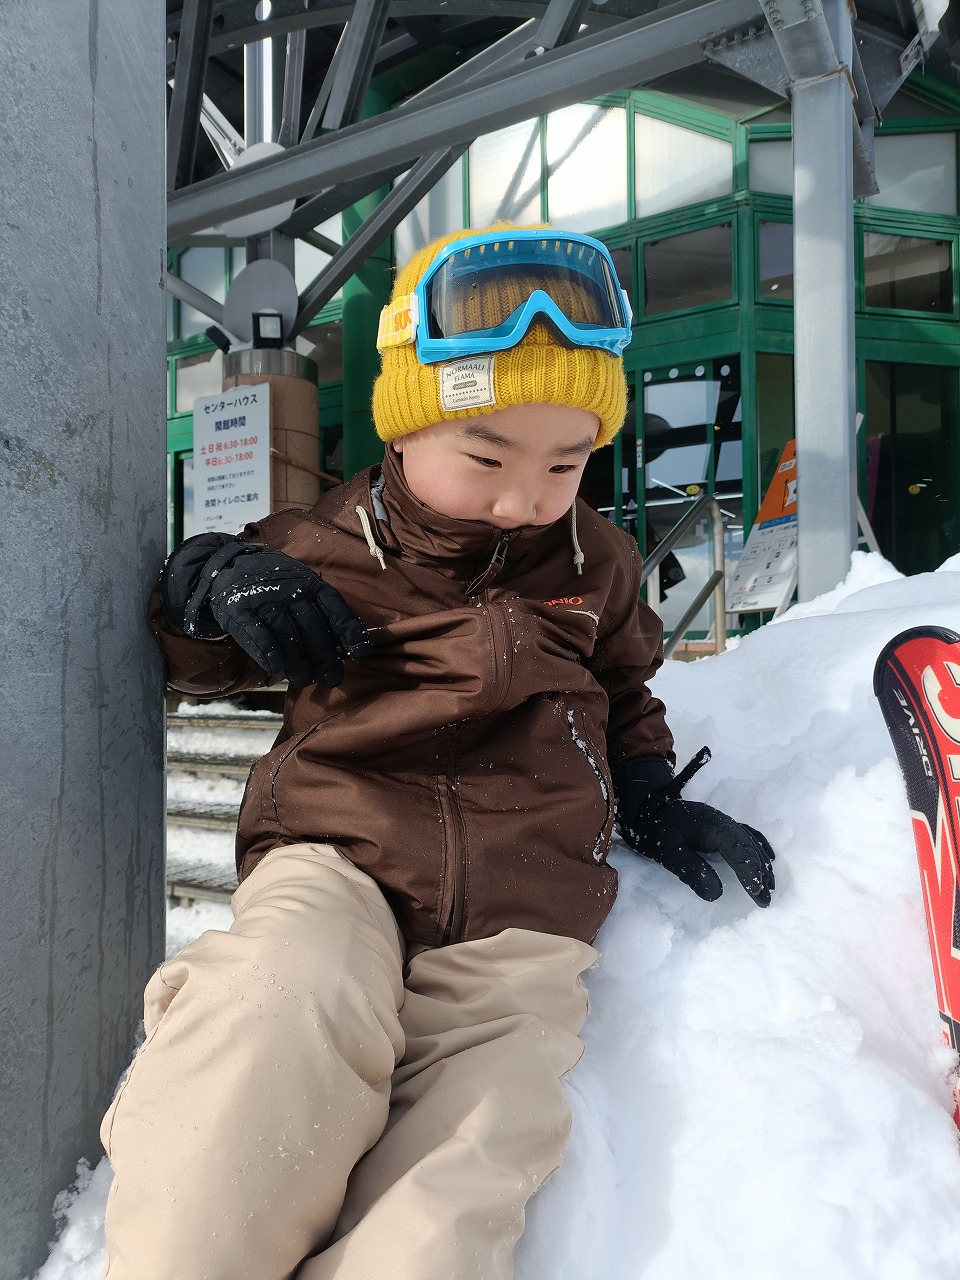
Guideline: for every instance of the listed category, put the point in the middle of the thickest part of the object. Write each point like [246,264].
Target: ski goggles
[481,294]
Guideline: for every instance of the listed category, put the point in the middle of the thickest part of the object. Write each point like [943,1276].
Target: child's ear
[397,445]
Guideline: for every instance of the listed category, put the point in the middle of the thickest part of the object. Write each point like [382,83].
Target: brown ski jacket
[466,764]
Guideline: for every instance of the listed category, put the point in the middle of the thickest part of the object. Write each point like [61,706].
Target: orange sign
[781,497]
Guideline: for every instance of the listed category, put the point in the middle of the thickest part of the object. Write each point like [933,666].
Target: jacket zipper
[497,561]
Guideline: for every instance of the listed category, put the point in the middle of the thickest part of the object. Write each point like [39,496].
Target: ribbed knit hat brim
[409,396]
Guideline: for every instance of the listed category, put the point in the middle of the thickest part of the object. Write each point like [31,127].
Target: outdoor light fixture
[218,337]
[267,329]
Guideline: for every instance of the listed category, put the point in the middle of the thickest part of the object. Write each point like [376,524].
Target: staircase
[210,751]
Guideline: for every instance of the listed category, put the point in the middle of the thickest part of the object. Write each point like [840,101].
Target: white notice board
[766,572]
[231,458]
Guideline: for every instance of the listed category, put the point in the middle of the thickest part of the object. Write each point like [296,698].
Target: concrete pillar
[82,451]
[825,360]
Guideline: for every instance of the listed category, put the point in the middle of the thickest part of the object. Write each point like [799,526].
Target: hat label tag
[467,384]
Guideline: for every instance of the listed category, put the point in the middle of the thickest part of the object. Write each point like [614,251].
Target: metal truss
[465,68]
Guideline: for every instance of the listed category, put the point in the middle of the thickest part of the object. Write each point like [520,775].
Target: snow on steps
[210,751]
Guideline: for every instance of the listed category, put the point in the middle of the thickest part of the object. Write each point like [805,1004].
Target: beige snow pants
[305,1105]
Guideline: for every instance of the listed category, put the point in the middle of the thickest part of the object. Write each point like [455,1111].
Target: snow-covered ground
[764,1093]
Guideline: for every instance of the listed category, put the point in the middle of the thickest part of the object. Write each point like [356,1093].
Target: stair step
[204,762]
[195,813]
[190,879]
[242,720]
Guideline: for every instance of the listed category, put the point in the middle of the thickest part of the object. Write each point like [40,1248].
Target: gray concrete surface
[82,457]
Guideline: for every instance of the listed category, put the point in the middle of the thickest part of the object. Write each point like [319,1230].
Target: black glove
[654,821]
[280,612]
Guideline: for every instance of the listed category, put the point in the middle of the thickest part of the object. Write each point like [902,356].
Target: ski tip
[882,665]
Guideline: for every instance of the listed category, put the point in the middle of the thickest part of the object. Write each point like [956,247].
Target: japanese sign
[767,570]
[231,458]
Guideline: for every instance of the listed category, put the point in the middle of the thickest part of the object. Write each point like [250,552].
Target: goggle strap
[398,322]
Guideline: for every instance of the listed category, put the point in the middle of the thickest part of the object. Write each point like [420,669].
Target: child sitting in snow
[362,1077]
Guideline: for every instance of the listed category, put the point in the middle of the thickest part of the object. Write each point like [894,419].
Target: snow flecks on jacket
[583,745]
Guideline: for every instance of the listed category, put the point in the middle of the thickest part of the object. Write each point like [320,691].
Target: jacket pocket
[596,760]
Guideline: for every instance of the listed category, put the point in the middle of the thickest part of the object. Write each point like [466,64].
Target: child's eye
[562,468]
[485,462]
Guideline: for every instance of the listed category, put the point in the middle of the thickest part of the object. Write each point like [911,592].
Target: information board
[231,458]
[766,572]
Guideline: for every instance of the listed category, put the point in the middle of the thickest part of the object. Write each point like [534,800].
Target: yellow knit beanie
[409,395]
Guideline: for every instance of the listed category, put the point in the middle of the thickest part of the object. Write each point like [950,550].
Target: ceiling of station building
[447,71]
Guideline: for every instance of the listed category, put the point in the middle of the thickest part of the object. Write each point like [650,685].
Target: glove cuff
[187,577]
[648,773]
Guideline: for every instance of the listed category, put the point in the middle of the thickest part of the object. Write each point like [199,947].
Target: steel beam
[634,51]
[824,350]
[353,61]
[292,88]
[183,121]
[195,298]
[405,196]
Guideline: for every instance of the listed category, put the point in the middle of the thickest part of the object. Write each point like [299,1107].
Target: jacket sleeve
[627,656]
[203,668]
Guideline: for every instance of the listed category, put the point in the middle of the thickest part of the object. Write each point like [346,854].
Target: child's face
[514,467]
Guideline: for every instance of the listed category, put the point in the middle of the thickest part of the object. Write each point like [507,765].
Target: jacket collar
[414,527]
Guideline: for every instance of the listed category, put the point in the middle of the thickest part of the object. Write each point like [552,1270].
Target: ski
[917,683]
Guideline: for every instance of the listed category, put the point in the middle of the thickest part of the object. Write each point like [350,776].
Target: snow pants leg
[264,1077]
[478,1117]
[238,1135]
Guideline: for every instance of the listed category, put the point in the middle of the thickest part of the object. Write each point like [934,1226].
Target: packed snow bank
[764,1093]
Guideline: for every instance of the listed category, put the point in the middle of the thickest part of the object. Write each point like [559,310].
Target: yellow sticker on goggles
[398,323]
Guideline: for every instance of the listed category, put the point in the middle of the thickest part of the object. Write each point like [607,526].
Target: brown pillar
[295,480]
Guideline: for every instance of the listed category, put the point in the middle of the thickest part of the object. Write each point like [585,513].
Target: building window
[440,211]
[205,269]
[913,501]
[587,167]
[771,166]
[917,171]
[690,270]
[199,375]
[676,167]
[907,273]
[323,343]
[776,261]
[309,261]
[505,176]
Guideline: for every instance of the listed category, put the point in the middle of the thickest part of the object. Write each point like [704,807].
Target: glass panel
[309,261]
[774,412]
[186,488]
[677,166]
[912,493]
[717,89]
[440,211]
[203,268]
[904,106]
[623,262]
[917,171]
[776,260]
[691,270]
[200,375]
[771,166]
[587,167]
[907,273]
[505,175]
[323,343]
[692,444]
[238,260]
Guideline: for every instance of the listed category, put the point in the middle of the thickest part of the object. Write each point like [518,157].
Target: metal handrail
[714,584]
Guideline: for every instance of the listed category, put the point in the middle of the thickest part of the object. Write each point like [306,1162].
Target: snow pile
[764,1093]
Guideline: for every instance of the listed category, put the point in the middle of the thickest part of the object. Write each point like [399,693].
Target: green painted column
[364,296]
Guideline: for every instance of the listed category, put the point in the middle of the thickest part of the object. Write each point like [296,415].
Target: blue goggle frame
[575,254]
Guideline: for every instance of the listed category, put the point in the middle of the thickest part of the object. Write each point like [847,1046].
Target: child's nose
[515,507]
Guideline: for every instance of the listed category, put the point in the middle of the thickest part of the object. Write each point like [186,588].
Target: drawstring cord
[368,534]
[578,556]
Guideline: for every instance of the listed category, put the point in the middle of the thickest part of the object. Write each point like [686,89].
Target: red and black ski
[917,682]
